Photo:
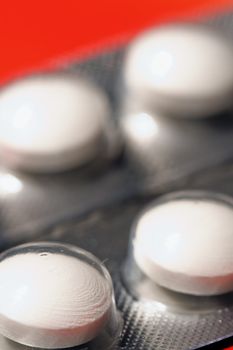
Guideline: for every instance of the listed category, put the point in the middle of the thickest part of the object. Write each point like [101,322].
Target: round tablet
[53,296]
[186,244]
[52,123]
[181,70]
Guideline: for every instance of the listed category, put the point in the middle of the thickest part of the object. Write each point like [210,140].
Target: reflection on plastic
[9,184]
[141,127]
[23,117]
[161,64]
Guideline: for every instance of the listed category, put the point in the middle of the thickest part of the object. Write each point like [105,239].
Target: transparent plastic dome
[56,296]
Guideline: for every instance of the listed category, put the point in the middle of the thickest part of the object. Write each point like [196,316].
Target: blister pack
[147,192]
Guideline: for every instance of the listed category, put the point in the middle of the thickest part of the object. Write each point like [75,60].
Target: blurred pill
[181,70]
[53,123]
[185,244]
[53,296]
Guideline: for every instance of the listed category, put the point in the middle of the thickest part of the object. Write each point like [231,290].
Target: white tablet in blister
[181,70]
[52,123]
[186,245]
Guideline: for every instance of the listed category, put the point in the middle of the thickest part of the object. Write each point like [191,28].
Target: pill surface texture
[186,245]
[52,123]
[181,70]
[50,299]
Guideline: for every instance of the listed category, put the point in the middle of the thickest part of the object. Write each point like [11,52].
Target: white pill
[186,245]
[52,123]
[52,300]
[181,70]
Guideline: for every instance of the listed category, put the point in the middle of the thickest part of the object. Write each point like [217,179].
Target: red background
[35,34]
